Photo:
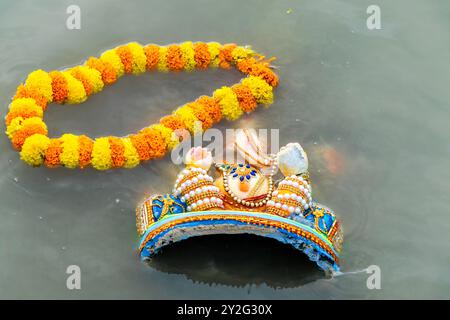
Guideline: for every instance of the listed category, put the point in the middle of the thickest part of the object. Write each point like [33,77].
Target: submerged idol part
[243,199]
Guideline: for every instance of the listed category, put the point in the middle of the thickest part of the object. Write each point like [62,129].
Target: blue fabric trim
[311,249]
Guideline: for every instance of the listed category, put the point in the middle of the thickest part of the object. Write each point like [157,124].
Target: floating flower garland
[28,132]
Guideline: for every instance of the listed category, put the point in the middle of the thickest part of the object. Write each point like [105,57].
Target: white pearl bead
[303,201]
[293,196]
[306,206]
[191,193]
[183,185]
[275,192]
[198,191]
[188,208]
[206,200]
[280,196]
[298,210]
[195,180]
[183,199]
[284,207]
[199,202]
[185,171]
[291,209]
[194,205]
[213,199]
[278,205]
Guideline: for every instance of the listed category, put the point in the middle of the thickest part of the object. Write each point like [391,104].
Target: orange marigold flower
[172,121]
[247,101]
[260,69]
[141,146]
[108,72]
[201,114]
[175,58]
[245,65]
[202,56]
[52,154]
[152,54]
[24,92]
[117,152]
[266,74]
[155,141]
[20,135]
[126,57]
[225,55]
[85,145]
[59,86]
[212,107]
[77,74]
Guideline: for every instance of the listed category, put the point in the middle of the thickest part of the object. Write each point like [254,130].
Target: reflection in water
[237,260]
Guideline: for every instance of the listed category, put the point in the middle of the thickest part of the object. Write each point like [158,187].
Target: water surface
[370,107]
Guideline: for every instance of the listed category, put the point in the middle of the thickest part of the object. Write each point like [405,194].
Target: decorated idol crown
[243,198]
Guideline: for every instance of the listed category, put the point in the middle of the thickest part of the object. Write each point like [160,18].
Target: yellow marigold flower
[19,122]
[262,91]
[93,76]
[70,153]
[139,57]
[188,53]
[113,58]
[24,106]
[76,93]
[130,154]
[162,60]
[214,50]
[33,150]
[240,53]
[189,120]
[101,154]
[229,103]
[14,126]
[170,138]
[41,82]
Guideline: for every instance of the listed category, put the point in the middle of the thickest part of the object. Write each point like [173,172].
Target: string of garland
[28,132]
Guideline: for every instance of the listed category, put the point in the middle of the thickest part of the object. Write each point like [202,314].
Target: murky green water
[370,107]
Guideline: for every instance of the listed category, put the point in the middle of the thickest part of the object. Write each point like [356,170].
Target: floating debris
[289,11]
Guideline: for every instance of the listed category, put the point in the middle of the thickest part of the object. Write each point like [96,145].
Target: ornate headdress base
[300,234]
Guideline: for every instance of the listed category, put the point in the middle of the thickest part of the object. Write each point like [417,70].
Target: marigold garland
[28,132]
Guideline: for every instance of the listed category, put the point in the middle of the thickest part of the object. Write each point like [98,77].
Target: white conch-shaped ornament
[292,160]
[249,146]
[199,157]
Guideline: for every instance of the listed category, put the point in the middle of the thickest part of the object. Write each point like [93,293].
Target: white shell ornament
[292,159]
